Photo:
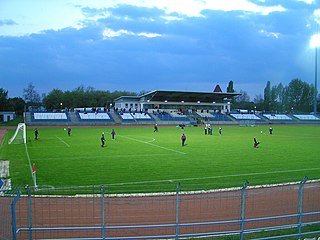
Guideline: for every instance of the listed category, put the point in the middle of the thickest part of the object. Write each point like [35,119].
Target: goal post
[20,135]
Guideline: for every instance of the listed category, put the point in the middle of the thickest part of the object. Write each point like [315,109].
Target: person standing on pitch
[255,143]
[69,131]
[220,131]
[155,128]
[102,140]
[36,133]
[113,133]
[183,139]
[270,130]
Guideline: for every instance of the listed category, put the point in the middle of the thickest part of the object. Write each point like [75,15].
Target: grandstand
[167,108]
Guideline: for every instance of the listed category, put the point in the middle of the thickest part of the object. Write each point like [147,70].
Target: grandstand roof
[178,96]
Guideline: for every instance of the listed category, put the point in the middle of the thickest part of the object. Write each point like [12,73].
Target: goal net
[20,135]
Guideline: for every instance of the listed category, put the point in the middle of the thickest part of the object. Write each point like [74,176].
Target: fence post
[177,211]
[29,212]
[300,204]
[108,210]
[13,215]
[245,185]
[102,213]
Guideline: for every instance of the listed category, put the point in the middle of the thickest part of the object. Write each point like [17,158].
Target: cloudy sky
[145,45]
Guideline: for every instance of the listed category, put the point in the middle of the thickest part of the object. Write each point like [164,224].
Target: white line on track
[222,176]
[149,143]
[63,141]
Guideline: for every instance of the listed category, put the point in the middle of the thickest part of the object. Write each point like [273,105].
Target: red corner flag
[34,168]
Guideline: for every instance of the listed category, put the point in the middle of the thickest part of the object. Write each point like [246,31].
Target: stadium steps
[73,118]
[116,118]
[155,117]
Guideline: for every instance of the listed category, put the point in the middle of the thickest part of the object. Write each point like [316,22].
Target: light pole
[315,43]
[315,81]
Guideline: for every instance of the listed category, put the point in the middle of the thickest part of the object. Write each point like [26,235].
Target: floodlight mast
[315,43]
[315,81]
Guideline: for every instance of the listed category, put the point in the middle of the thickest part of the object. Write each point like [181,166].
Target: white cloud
[38,16]
[269,34]
[172,18]
[149,35]
[109,33]
[316,14]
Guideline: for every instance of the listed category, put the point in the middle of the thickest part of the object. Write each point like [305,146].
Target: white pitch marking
[153,139]
[153,144]
[222,176]
[99,157]
[63,141]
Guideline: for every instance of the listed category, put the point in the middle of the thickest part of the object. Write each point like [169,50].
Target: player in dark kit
[255,143]
[36,133]
[102,140]
[155,128]
[270,130]
[183,139]
[69,131]
[113,133]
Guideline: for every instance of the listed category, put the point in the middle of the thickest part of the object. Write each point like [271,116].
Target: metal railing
[247,212]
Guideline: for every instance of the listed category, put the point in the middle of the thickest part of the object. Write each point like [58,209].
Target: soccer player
[102,140]
[183,139]
[220,131]
[255,143]
[270,130]
[155,128]
[36,133]
[113,133]
[69,131]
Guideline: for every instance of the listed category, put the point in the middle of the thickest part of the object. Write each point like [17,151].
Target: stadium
[144,185]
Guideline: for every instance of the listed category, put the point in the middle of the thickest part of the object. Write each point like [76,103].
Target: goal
[20,135]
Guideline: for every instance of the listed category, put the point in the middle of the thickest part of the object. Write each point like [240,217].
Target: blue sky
[145,45]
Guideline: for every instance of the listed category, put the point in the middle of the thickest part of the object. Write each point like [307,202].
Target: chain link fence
[282,211]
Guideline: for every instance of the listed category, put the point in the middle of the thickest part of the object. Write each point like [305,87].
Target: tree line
[57,99]
[297,96]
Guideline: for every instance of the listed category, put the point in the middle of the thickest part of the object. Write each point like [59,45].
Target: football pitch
[140,156]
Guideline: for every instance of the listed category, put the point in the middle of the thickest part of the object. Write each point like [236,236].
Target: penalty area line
[149,143]
[63,141]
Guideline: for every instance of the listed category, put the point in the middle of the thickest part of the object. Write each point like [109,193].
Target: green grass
[138,155]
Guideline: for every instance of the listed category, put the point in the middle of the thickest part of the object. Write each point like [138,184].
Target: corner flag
[34,176]
[34,168]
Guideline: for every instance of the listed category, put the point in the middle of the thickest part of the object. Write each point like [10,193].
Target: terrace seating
[245,116]
[134,116]
[172,116]
[205,114]
[306,117]
[277,117]
[141,116]
[94,116]
[49,116]
[177,115]
[213,116]
[126,116]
